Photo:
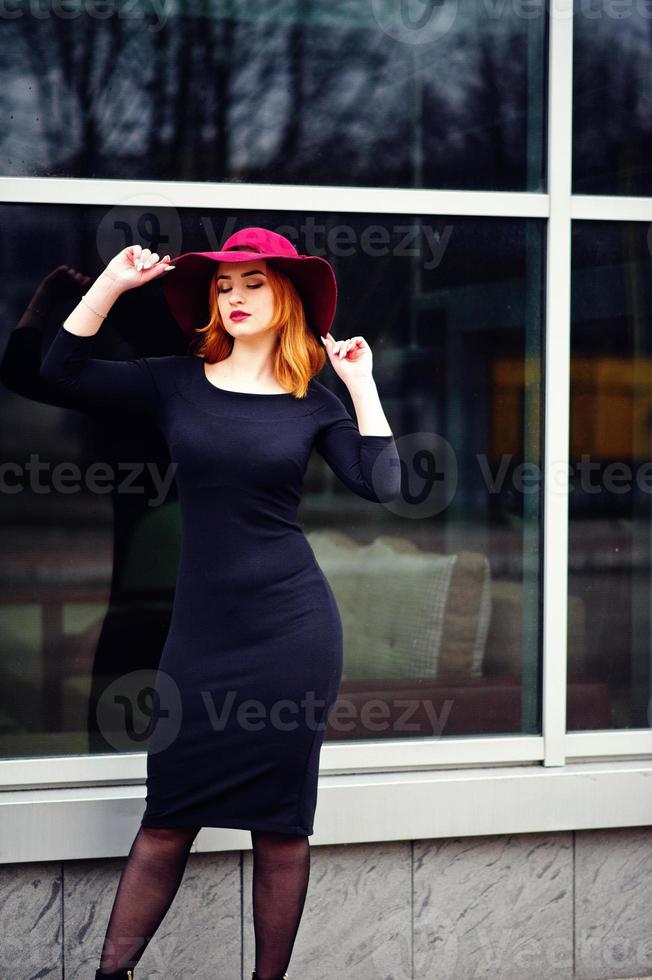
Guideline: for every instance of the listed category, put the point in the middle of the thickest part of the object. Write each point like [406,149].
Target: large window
[293,92]
[438,594]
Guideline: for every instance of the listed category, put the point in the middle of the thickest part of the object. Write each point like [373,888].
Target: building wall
[573,905]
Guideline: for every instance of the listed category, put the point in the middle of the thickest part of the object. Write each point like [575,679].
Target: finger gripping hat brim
[186,289]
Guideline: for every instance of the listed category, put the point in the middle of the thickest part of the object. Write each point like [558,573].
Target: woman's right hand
[135,266]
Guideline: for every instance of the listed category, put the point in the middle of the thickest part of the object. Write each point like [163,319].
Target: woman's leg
[281,869]
[149,881]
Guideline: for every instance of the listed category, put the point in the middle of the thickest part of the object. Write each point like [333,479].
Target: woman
[253,659]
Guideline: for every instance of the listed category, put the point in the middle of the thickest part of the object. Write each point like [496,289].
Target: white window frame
[50,807]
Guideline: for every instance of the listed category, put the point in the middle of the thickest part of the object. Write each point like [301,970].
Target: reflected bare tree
[302,93]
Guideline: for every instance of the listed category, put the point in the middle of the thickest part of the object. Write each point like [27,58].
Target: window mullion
[557,383]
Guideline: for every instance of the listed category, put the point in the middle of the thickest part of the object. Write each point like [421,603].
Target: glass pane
[610,545]
[438,593]
[338,92]
[612,90]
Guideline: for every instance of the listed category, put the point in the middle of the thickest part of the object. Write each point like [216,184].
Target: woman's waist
[241,560]
[262,594]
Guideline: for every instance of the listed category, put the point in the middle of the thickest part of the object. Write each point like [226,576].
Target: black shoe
[254,976]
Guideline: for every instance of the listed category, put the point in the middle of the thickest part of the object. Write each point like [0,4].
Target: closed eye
[249,286]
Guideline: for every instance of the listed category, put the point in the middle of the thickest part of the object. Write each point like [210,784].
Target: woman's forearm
[84,321]
[368,409]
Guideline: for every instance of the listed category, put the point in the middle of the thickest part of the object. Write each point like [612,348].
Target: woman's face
[243,288]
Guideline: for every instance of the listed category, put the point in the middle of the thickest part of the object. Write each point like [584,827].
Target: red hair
[298,356]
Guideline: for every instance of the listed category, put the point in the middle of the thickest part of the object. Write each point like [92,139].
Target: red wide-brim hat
[186,292]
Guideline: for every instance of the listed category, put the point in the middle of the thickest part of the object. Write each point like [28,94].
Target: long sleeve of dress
[127,385]
[368,465]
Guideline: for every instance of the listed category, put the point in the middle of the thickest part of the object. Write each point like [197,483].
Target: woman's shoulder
[326,401]
[322,392]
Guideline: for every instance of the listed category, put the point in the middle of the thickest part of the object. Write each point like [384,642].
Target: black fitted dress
[252,662]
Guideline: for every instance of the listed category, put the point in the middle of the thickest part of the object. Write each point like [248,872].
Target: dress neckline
[240,394]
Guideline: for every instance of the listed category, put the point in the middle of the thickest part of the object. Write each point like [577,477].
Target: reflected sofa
[435,646]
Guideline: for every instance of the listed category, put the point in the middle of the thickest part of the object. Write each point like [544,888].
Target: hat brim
[186,290]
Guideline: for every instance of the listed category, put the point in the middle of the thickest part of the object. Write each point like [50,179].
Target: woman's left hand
[352,359]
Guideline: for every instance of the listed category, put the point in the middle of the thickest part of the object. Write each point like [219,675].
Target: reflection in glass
[439,595]
[340,93]
[610,547]
[90,536]
[612,92]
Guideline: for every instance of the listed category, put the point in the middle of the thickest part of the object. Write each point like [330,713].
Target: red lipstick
[238,315]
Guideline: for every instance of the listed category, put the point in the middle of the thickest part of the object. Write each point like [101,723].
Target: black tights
[149,881]
[281,868]
[151,877]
